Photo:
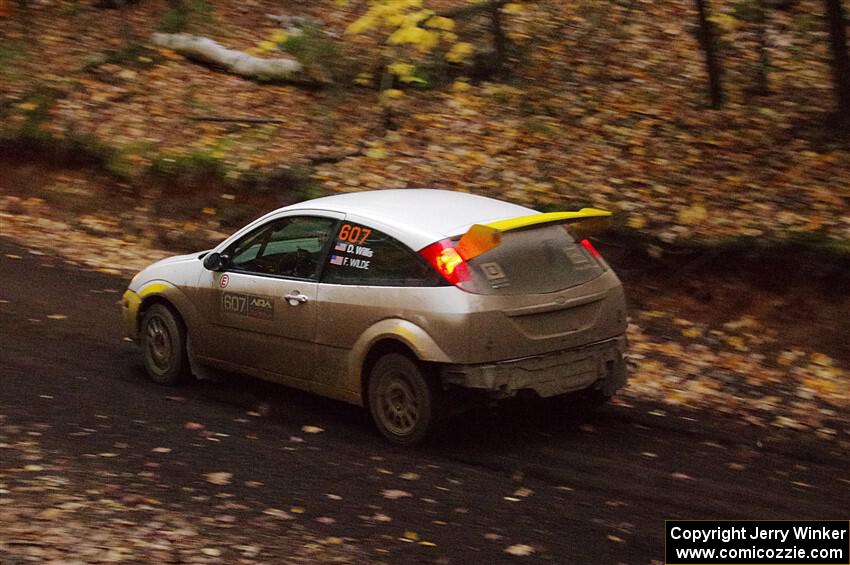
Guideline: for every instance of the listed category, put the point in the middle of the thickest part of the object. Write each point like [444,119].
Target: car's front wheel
[402,399]
[163,341]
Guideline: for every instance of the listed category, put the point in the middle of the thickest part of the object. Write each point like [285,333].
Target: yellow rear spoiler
[481,238]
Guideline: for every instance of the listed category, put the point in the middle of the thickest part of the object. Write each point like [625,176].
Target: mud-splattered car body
[465,291]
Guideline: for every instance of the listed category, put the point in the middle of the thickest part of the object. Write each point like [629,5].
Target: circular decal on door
[225,280]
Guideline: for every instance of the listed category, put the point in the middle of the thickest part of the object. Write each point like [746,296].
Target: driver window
[289,247]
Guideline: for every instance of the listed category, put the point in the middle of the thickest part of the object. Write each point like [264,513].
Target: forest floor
[601,105]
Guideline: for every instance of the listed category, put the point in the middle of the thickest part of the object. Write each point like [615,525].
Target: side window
[289,247]
[364,256]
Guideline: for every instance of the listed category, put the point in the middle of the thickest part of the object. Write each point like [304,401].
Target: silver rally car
[395,300]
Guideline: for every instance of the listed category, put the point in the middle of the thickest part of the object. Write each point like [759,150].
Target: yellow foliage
[267,45]
[423,39]
[459,52]
[401,69]
[513,8]
[440,22]
[279,36]
[361,24]
[364,79]
[408,25]
[460,86]
[726,22]
[393,93]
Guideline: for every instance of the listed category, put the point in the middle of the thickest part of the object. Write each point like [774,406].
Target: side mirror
[216,262]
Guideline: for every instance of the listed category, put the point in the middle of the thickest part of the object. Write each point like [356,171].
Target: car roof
[416,216]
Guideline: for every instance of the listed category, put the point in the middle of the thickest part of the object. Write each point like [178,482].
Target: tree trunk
[499,38]
[708,42]
[837,25]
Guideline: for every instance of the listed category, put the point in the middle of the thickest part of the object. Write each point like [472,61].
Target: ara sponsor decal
[224,280]
[260,307]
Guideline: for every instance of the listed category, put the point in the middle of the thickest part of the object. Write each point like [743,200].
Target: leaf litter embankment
[753,335]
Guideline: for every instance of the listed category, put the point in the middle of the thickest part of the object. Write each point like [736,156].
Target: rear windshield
[532,261]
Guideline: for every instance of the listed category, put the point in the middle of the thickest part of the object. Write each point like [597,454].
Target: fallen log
[206,50]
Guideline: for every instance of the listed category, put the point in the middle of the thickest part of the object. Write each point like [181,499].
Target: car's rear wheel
[163,341]
[402,399]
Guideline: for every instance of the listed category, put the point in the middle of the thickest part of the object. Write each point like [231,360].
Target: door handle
[295,298]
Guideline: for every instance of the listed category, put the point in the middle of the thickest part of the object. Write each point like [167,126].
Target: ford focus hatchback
[395,300]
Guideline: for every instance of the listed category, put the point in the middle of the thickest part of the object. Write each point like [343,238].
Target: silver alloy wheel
[158,343]
[398,404]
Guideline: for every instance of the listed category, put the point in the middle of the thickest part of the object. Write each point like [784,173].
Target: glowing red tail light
[594,253]
[447,261]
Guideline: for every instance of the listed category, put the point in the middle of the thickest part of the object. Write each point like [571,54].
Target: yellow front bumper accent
[130,303]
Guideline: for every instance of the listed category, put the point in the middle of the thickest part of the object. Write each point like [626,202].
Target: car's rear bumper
[599,365]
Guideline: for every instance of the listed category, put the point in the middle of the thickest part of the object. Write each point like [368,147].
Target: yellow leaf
[460,86]
[413,536]
[376,153]
[267,45]
[693,215]
[440,22]
[401,69]
[821,359]
[692,332]
[364,79]
[459,52]
[513,8]
[393,93]
[279,36]
[636,221]
[28,106]
[736,342]
[725,22]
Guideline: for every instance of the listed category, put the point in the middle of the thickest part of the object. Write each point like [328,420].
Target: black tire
[403,401]
[163,342]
